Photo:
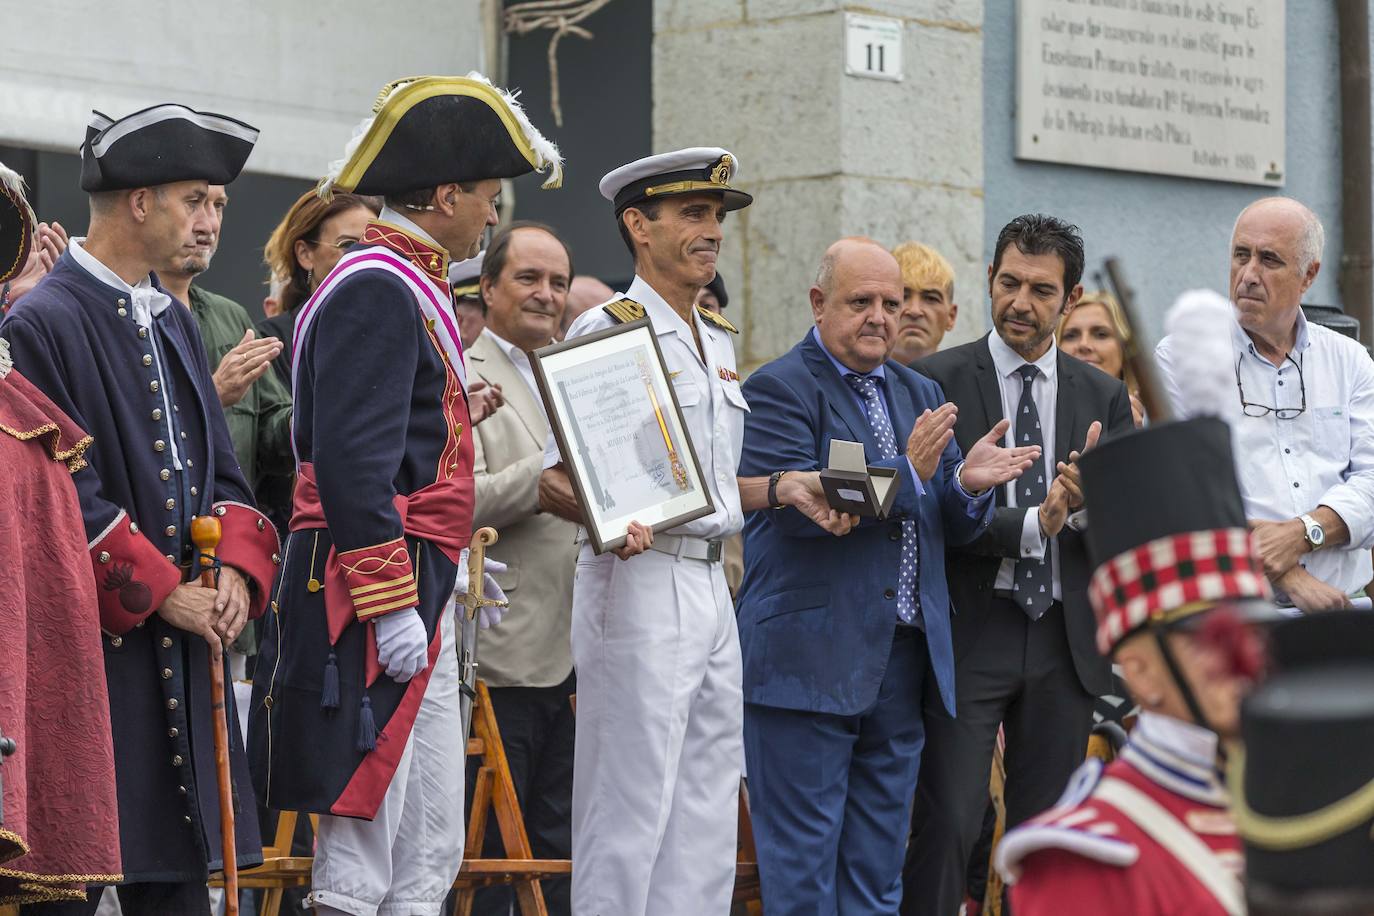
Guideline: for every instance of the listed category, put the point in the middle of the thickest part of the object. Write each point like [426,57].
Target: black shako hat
[16,224]
[696,170]
[163,144]
[1303,788]
[432,130]
[1167,530]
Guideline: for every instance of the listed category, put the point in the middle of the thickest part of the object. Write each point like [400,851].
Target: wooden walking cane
[205,535]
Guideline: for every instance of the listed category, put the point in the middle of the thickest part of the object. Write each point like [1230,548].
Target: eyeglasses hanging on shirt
[1260,410]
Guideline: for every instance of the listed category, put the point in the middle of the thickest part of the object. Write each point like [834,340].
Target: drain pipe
[1357,205]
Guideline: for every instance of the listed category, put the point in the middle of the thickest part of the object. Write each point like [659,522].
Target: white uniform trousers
[403,862]
[659,737]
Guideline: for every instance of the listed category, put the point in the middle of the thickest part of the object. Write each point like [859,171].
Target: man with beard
[1177,589]
[356,715]
[1024,655]
[106,343]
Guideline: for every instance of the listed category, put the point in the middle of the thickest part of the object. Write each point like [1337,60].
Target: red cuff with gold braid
[132,577]
[249,543]
[1174,576]
[379,578]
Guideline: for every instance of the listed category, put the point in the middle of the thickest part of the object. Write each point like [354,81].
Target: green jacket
[260,423]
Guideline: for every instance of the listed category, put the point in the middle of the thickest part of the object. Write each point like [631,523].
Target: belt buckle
[714,549]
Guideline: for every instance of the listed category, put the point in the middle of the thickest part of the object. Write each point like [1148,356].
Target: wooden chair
[279,869]
[495,795]
[747,888]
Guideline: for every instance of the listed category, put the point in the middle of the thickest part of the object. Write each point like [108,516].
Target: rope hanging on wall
[561,16]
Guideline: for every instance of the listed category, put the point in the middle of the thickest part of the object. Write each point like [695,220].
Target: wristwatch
[1313,531]
[773,489]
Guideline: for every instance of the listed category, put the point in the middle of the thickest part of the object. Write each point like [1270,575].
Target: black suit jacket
[969,379]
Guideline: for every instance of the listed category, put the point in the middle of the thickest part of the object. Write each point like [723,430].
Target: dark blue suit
[832,686]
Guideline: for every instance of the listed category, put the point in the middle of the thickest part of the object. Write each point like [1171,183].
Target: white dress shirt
[1045,393]
[1322,457]
[521,361]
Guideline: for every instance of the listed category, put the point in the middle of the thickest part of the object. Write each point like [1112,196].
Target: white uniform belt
[688,548]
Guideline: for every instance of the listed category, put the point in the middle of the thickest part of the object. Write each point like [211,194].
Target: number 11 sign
[873,46]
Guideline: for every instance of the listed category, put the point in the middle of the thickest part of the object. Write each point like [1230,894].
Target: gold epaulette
[624,310]
[716,319]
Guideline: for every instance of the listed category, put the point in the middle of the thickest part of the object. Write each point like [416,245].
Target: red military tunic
[1149,834]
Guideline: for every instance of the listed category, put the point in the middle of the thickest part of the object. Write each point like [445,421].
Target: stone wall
[825,154]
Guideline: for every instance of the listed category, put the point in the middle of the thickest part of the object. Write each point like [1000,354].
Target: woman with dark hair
[301,252]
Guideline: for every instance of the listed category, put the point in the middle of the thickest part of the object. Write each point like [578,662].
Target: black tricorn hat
[1303,789]
[1167,530]
[163,144]
[432,130]
[16,224]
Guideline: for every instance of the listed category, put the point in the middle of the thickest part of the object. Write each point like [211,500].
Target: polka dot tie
[1032,587]
[907,598]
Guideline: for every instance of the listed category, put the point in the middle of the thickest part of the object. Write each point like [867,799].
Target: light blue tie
[907,599]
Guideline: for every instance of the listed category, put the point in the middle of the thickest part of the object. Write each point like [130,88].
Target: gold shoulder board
[624,310]
[716,319]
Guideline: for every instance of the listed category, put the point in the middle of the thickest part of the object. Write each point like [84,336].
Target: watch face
[1316,535]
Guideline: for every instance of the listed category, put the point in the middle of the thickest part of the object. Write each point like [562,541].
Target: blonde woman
[1095,331]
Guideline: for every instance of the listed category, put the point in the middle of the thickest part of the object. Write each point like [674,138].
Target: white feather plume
[545,151]
[1202,366]
[13,184]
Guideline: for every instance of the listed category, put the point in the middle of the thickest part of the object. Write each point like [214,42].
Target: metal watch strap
[1308,523]
[773,479]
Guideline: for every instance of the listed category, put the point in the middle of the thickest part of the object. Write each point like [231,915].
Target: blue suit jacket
[817,612]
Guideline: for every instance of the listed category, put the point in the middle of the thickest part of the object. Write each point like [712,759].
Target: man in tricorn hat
[356,707]
[1177,580]
[1304,787]
[100,337]
[58,825]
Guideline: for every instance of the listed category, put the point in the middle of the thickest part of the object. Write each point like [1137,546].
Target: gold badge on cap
[721,173]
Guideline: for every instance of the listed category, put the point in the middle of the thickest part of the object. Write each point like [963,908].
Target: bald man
[1302,416]
[583,294]
[841,638]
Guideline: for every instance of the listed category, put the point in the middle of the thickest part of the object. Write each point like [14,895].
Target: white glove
[402,648]
[488,616]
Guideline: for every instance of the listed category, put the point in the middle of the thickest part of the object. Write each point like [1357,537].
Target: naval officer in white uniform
[659,699]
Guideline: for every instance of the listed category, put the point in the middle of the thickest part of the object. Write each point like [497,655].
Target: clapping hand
[928,439]
[1068,470]
[988,464]
[483,400]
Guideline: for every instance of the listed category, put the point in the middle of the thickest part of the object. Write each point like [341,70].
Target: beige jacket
[530,647]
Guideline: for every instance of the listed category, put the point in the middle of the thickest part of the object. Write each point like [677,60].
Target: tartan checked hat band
[1173,577]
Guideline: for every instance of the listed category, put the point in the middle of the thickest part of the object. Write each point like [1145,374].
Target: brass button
[181,789]
[261,524]
[165,474]
[171,559]
[190,463]
[176,760]
[147,359]
[143,333]
[195,492]
[220,510]
[117,641]
[166,674]
[133,527]
[172,732]
[159,445]
[183,435]
[276,559]
[170,530]
[172,704]
[153,385]
[166,642]
[157,413]
[141,622]
[186,818]
[170,504]
[104,556]
[123,313]
[121,302]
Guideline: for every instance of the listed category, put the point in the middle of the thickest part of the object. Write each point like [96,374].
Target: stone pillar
[825,154]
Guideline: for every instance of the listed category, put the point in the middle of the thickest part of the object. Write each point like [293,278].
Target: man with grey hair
[1303,414]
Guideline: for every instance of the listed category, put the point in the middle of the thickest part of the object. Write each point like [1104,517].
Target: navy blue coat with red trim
[75,338]
[378,413]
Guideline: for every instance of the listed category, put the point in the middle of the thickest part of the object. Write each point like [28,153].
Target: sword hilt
[482,538]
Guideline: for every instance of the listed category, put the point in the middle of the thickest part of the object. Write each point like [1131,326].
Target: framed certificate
[620,431]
